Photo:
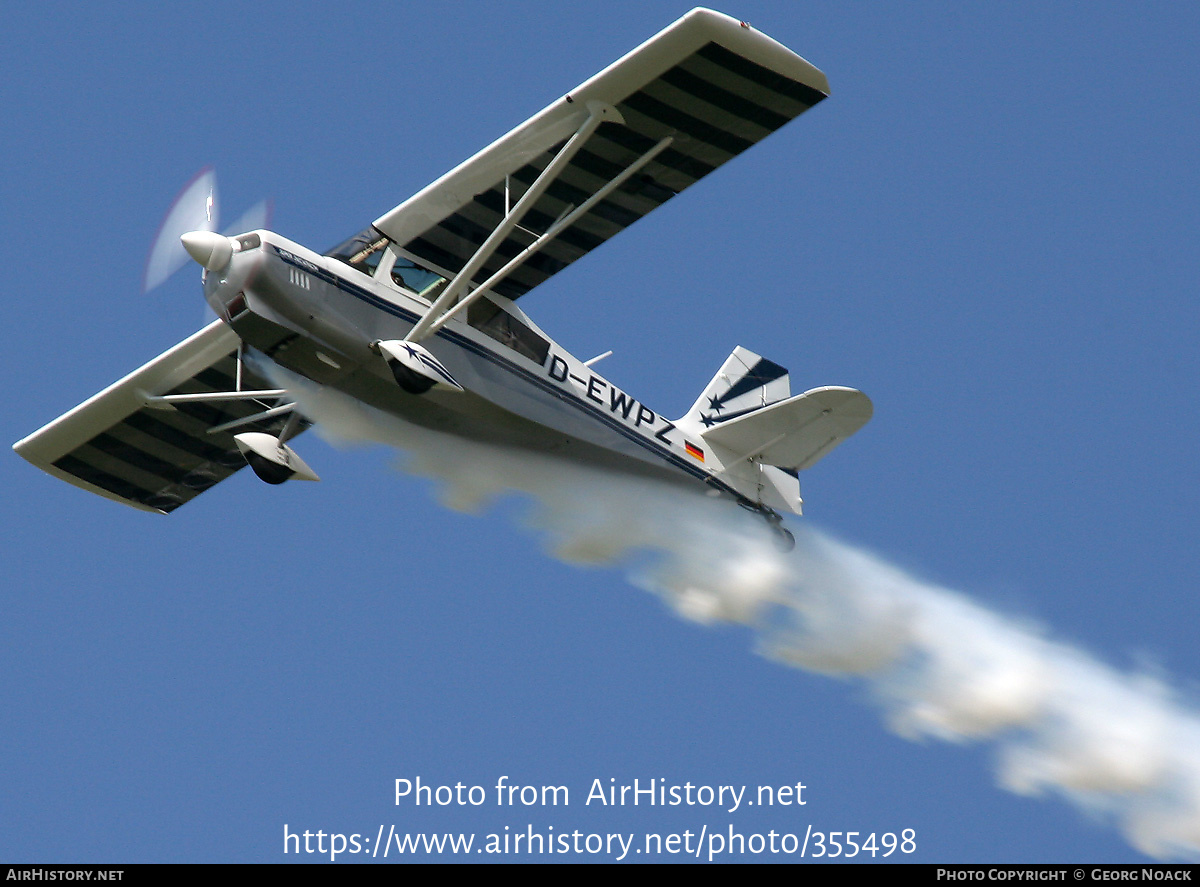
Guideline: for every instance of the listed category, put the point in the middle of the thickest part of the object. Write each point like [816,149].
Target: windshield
[362,251]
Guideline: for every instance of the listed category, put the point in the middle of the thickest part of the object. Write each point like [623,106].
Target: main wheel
[408,380]
[268,471]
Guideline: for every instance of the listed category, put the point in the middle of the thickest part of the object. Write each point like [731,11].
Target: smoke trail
[939,665]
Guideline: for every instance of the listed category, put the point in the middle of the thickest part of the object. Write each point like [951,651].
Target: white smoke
[939,665]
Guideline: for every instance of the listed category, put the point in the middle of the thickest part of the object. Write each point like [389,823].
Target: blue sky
[990,227]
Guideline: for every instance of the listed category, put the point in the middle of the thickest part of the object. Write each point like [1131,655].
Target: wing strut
[281,410]
[165,400]
[564,221]
[437,315]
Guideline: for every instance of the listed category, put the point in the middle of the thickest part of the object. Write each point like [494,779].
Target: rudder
[745,382]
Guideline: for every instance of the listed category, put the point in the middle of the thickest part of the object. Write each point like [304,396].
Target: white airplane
[417,314]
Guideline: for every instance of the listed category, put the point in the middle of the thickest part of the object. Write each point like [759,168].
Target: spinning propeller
[195,209]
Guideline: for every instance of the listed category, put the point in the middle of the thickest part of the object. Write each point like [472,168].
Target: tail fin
[759,436]
[745,382]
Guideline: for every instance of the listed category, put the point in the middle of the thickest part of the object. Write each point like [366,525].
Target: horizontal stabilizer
[795,433]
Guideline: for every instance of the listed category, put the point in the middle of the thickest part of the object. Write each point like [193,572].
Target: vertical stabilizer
[745,382]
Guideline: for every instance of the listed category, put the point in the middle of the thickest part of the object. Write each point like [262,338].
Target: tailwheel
[784,539]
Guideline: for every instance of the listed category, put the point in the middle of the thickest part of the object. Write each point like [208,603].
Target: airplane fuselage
[318,317]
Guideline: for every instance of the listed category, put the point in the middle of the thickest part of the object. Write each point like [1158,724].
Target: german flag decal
[694,451]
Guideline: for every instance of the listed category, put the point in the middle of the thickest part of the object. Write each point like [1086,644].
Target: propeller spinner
[195,211]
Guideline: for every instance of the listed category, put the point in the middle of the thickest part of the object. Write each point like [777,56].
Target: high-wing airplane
[417,314]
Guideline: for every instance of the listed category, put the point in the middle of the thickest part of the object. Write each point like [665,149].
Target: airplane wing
[131,444]
[686,101]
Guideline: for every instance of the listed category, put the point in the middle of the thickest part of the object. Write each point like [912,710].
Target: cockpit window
[362,251]
[492,320]
[425,283]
